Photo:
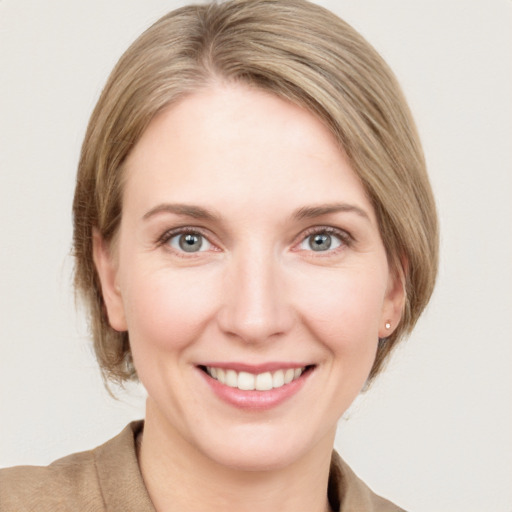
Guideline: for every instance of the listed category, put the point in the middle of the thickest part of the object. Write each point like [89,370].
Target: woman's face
[248,256]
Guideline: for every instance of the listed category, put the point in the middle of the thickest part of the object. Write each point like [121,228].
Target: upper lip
[254,368]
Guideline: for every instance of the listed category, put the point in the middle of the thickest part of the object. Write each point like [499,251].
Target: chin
[256,450]
[256,459]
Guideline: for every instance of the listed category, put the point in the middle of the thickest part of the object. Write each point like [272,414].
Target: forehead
[239,145]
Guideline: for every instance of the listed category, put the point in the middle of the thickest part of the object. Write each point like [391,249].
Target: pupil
[190,243]
[321,242]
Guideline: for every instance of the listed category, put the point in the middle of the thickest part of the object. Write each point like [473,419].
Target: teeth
[245,381]
[288,375]
[263,381]
[231,378]
[260,382]
[278,379]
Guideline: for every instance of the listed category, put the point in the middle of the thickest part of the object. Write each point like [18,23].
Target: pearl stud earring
[388,325]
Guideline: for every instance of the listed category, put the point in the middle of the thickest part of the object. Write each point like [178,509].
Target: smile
[259,382]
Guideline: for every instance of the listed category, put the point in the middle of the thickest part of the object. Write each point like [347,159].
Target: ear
[106,266]
[394,303]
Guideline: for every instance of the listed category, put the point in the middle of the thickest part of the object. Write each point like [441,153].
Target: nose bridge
[255,306]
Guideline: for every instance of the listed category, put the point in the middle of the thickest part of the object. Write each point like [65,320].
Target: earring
[387,325]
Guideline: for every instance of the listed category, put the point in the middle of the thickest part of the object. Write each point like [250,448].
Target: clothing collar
[120,479]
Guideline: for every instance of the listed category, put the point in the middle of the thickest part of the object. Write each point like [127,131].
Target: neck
[180,478]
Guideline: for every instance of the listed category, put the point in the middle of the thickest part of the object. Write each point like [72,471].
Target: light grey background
[435,431]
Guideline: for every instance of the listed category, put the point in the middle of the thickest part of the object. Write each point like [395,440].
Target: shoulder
[64,483]
[350,494]
[91,481]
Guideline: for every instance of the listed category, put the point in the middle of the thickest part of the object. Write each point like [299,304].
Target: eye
[322,241]
[189,242]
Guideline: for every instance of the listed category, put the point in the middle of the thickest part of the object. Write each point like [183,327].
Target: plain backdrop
[435,432]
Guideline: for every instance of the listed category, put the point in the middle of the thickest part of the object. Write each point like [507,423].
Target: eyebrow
[311,212]
[186,210]
[305,212]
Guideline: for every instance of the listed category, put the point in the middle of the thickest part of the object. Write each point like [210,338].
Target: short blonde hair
[300,52]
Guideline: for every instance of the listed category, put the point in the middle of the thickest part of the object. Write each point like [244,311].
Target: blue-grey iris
[190,242]
[320,242]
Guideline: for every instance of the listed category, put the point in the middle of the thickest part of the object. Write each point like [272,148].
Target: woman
[254,233]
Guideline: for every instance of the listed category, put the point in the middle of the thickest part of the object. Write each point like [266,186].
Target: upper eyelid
[345,237]
[170,233]
[343,233]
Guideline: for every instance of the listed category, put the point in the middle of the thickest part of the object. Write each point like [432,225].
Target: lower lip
[256,400]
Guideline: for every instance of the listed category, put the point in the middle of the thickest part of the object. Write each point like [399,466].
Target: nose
[255,306]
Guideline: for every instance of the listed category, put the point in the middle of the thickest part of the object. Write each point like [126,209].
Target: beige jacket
[108,479]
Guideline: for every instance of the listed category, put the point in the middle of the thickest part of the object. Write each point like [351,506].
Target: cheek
[344,309]
[166,310]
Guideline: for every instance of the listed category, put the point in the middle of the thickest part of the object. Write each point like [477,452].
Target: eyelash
[170,234]
[344,237]
[346,240]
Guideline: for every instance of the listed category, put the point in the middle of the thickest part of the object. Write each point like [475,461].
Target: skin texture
[255,293]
